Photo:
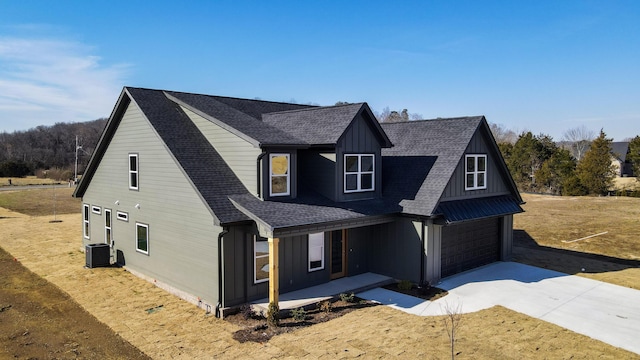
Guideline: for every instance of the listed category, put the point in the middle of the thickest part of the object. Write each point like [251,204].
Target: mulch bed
[255,328]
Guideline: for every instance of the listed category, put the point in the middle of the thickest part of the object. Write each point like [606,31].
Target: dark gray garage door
[469,245]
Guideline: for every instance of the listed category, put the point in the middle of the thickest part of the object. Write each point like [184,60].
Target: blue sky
[543,66]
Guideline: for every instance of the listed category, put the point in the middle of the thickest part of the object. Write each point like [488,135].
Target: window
[85,221]
[142,238]
[279,170]
[96,210]
[107,226]
[133,171]
[475,172]
[316,251]
[260,259]
[122,216]
[358,173]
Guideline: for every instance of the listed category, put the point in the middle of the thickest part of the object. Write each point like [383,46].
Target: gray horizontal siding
[182,237]
[240,155]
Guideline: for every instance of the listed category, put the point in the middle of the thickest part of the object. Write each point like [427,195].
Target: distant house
[622,165]
[226,200]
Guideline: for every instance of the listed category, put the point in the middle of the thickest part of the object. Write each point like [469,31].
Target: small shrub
[273,314]
[325,306]
[405,285]
[299,314]
[350,298]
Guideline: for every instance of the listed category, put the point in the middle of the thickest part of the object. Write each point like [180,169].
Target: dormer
[343,159]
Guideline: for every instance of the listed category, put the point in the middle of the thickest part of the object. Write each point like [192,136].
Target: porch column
[274,270]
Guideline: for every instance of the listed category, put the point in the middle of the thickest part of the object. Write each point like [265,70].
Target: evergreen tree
[556,171]
[634,155]
[595,170]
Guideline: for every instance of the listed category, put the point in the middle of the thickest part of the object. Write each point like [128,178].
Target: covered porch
[315,294]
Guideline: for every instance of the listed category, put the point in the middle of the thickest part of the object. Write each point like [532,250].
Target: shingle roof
[196,156]
[322,125]
[242,116]
[433,148]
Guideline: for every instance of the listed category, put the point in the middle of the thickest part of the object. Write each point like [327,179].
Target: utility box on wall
[97,255]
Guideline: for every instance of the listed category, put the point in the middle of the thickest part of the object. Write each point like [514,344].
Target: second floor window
[475,172]
[279,175]
[133,171]
[359,172]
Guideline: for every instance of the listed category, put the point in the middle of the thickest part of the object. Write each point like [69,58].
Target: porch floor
[314,294]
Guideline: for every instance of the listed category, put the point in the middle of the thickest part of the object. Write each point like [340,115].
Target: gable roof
[191,150]
[434,149]
[323,125]
[619,149]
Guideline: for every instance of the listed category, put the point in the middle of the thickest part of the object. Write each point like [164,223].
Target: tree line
[581,164]
[49,151]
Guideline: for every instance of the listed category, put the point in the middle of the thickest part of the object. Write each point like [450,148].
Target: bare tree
[579,139]
[502,134]
[452,321]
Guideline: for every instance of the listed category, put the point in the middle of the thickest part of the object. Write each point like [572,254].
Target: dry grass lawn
[27,180]
[181,330]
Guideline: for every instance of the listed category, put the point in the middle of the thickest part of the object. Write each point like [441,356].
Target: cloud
[44,81]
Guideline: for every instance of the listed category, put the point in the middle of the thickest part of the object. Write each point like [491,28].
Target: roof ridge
[314,108]
[436,119]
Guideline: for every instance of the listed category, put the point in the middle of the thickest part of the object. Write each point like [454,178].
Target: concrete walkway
[606,312]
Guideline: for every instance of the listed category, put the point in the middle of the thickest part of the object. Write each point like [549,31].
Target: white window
[260,259]
[107,226]
[279,175]
[122,216]
[142,238]
[475,172]
[359,172]
[133,171]
[96,210]
[316,251]
[85,221]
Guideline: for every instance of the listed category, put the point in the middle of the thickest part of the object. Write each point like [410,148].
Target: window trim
[257,238]
[135,172]
[359,173]
[108,227]
[96,209]
[122,216]
[146,226]
[475,172]
[321,267]
[287,176]
[86,229]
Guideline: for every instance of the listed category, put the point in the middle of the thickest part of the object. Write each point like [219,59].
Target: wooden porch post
[274,270]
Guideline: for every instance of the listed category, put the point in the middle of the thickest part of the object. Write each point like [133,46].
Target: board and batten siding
[240,155]
[395,249]
[495,180]
[182,234]
[317,170]
[359,138]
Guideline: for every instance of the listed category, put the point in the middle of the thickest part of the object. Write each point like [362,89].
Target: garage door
[469,245]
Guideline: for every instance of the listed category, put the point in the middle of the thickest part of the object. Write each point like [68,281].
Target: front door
[338,254]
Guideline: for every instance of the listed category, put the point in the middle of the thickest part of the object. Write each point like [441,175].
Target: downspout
[422,255]
[225,231]
[258,178]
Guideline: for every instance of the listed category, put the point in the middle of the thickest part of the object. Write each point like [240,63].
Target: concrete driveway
[603,311]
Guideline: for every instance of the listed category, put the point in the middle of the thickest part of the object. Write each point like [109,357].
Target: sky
[539,66]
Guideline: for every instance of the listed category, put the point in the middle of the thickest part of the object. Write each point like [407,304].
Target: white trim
[96,209]
[146,252]
[135,172]
[359,173]
[108,228]
[287,175]
[313,249]
[122,216]
[475,173]
[255,256]
[86,230]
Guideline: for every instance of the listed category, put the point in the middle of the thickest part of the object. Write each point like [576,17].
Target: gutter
[225,231]
[422,255]
[258,170]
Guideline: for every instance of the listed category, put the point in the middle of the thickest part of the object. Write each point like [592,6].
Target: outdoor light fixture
[137,206]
